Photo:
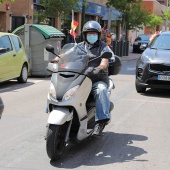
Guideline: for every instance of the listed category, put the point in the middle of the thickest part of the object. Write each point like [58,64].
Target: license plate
[164,78]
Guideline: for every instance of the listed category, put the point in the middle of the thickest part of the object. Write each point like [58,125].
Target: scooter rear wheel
[55,141]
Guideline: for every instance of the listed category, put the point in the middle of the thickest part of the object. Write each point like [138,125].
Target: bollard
[117,48]
[121,48]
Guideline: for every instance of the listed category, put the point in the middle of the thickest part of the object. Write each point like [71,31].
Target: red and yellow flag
[153,35]
[74,25]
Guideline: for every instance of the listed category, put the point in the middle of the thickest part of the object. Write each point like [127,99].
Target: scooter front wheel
[55,141]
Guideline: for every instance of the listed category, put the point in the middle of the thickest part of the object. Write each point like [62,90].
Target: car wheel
[140,89]
[24,75]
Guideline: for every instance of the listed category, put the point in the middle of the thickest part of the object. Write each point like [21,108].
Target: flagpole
[72,23]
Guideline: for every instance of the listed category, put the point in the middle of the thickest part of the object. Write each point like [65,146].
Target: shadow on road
[12,86]
[108,149]
[162,93]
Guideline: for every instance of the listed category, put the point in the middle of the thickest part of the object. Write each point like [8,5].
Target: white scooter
[71,109]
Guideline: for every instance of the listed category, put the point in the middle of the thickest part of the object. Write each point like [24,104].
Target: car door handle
[14,55]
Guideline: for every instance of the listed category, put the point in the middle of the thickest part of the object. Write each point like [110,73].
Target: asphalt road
[137,137]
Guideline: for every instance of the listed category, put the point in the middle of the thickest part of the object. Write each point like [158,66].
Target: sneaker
[98,129]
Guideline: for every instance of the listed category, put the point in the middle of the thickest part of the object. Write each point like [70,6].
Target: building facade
[15,14]
[163,2]
[154,7]
[20,12]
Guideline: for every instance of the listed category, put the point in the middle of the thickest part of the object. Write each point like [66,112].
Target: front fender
[59,116]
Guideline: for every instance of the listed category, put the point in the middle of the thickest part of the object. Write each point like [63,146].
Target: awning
[112,14]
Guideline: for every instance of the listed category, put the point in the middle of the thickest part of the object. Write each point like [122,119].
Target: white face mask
[92,38]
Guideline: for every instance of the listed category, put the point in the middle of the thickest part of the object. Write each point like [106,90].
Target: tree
[166,16]
[133,15]
[54,8]
[2,1]
[153,21]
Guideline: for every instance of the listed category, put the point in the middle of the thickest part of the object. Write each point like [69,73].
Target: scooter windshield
[73,58]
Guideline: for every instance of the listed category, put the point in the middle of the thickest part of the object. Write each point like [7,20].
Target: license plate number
[164,78]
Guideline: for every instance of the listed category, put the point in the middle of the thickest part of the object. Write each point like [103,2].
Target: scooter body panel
[78,103]
[59,116]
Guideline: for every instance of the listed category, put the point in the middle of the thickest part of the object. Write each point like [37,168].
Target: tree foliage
[133,15]
[55,8]
[153,21]
[166,16]
[2,1]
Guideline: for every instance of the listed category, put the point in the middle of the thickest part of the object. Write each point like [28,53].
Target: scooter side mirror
[106,54]
[50,48]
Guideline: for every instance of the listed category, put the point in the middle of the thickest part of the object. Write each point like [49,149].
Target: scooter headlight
[70,93]
[52,91]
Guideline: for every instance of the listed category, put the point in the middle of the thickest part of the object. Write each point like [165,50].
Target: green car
[13,59]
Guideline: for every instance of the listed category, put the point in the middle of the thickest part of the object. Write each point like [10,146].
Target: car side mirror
[106,54]
[3,50]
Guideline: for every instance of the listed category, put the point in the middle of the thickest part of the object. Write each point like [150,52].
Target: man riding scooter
[92,33]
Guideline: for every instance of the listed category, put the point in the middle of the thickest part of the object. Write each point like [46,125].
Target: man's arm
[104,62]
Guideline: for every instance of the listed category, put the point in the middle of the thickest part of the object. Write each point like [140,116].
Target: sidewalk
[131,56]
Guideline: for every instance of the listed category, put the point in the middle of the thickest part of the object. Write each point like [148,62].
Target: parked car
[153,67]
[1,107]
[142,39]
[13,59]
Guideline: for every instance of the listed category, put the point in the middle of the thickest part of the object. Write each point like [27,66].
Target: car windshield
[143,37]
[161,42]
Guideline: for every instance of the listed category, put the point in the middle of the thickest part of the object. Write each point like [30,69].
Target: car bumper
[149,79]
[152,85]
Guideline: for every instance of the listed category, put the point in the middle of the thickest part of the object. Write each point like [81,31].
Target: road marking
[37,81]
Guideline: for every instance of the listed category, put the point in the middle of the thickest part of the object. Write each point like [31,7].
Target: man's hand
[55,60]
[101,67]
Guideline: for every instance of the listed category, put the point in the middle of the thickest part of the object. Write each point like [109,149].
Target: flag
[104,28]
[153,35]
[74,25]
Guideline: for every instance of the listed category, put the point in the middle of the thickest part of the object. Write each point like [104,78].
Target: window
[17,43]
[5,43]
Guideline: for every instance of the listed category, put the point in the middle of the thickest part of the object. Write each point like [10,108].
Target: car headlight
[70,93]
[52,91]
[145,58]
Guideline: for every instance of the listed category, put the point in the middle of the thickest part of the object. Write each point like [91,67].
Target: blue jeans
[99,91]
